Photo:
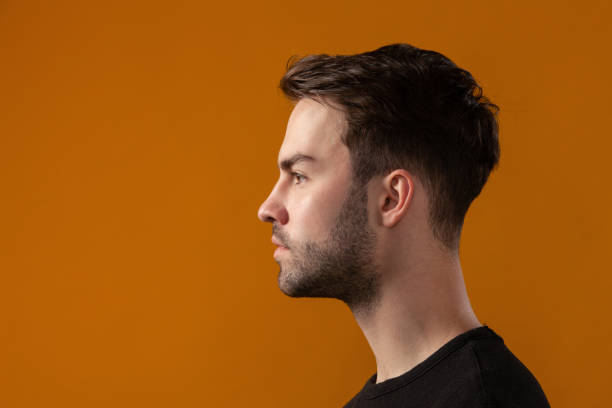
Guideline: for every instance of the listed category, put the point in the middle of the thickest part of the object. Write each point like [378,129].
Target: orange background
[138,138]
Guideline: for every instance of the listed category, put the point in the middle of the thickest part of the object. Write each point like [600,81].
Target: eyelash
[296,175]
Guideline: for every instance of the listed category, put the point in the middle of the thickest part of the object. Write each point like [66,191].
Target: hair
[412,109]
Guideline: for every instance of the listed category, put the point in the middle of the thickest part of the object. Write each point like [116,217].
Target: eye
[298,177]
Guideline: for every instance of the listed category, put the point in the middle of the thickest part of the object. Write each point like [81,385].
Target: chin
[289,286]
[285,285]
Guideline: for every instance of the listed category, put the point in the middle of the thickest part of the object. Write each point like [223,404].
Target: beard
[342,267]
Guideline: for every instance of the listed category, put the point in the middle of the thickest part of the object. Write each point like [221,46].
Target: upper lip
[275,242]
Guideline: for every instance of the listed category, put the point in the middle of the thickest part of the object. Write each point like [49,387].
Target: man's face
[320,218]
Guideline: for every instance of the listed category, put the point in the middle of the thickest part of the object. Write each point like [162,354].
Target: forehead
[315,130]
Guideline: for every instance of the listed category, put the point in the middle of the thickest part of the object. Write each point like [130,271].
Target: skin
[369,246]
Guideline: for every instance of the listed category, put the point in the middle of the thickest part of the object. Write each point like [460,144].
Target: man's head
[398,109]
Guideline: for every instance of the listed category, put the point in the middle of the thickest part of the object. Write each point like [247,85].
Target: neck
[418,310]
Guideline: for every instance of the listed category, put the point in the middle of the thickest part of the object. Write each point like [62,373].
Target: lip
[280,250]
[275,242]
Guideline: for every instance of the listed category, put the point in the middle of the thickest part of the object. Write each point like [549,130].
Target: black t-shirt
[475,369]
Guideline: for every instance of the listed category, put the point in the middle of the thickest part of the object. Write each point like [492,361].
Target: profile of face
[320,217]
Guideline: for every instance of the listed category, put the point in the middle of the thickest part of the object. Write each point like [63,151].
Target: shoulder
[475,369]
[505,380]
[352,402]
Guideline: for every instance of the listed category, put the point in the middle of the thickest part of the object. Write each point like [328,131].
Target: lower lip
[280,249]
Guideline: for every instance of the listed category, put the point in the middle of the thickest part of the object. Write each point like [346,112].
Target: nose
[272,210]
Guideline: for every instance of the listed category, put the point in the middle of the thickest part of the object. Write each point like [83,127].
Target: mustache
[280,235]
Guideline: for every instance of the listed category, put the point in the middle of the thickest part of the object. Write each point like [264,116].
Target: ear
[398,189]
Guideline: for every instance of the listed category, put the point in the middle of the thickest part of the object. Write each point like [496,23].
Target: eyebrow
[291,161]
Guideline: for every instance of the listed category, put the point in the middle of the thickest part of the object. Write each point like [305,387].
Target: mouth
[278,244]
[280,247]
[280,250]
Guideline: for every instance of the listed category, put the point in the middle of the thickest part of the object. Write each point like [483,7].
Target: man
[383,154]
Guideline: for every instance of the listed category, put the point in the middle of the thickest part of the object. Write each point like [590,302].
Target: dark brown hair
[413,109]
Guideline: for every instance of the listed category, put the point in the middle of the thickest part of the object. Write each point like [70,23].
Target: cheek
[313,215]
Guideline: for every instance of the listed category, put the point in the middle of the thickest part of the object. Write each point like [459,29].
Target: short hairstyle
[413,109]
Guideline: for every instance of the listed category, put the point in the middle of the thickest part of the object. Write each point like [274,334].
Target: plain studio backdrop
[138,139]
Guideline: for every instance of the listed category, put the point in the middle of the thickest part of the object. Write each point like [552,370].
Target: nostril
[264,214]
[268,218]
[271,211]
